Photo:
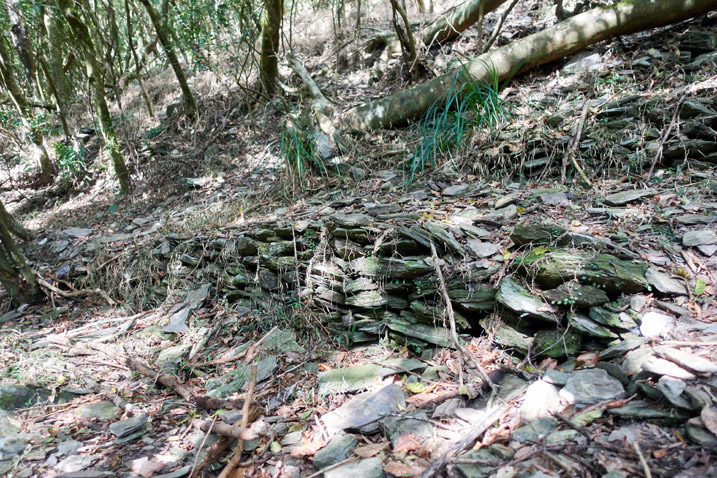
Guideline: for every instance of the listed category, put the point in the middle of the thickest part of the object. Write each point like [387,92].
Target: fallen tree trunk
[548,45]
[455,21]
[446,27]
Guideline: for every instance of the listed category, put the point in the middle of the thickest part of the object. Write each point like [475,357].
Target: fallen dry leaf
[400,468]
[145,467]
[367,451]
[406,443]
[660,453]
[588,359]
[308,449]
[709,418]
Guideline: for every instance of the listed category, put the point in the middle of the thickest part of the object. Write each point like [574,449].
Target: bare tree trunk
[408,45]
[95,74]
[450,24]
[22,45]
[553,43]
[61,112]
[7,78]
[163,33]
[270,37]
[15,275]
[135,58]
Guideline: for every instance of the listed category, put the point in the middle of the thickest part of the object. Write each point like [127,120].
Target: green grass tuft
[467,105]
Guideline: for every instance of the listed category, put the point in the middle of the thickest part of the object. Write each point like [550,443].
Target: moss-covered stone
[556,343]
[575,294]
[600,270]
[390,268]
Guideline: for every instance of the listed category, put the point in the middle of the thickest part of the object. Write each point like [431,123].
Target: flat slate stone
[579,295]
[101,411]
[415,423]
[482,249]
[648,411]
[336,451]
[535,430]
[351,220]
[518,299]
[586,387]
[665,283]
[457,190]
[358,377]
[687,360]
[76,232]
[624,197]
[365,468]
[694,219]
[554,199]
[703,237]
[365,411]
[585,326]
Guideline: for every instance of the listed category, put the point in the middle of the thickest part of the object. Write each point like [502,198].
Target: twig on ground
[574,147]
[111,396]
[196,457]
[452,320]
[224,429]
[165,379]
[573,425]
[439,463]
[236,457]
[334,466]
[663,140]
[212,455]
[74,294]
[636,446]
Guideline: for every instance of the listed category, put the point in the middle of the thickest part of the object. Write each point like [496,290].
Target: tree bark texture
[95,74]
[163,33]
[450,24]
[7,78]
[270,38]
[553,43]
[22,42]
[15,275]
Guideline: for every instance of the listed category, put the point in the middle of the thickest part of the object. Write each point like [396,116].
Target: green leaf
[306,414]
[415,387]
[587,418]
[700,287]
[275,447]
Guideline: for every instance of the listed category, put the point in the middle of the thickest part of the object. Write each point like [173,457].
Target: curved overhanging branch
[553,43]
[455,21]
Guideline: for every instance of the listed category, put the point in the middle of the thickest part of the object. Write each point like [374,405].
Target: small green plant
[468,104]
[72,163]
[298,151]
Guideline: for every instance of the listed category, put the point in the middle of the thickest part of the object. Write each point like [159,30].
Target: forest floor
[141,360]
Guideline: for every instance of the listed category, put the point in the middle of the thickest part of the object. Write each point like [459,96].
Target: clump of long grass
[468,104]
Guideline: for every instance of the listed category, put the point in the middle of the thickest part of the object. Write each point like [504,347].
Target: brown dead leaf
[237,473]
[523,452]
[323,367]
[420,399]
[588,359]
[548,364]
[145,467]
[660,453]
[367,451]
[406,443]
[709,418]
[308,449]
[400,468]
